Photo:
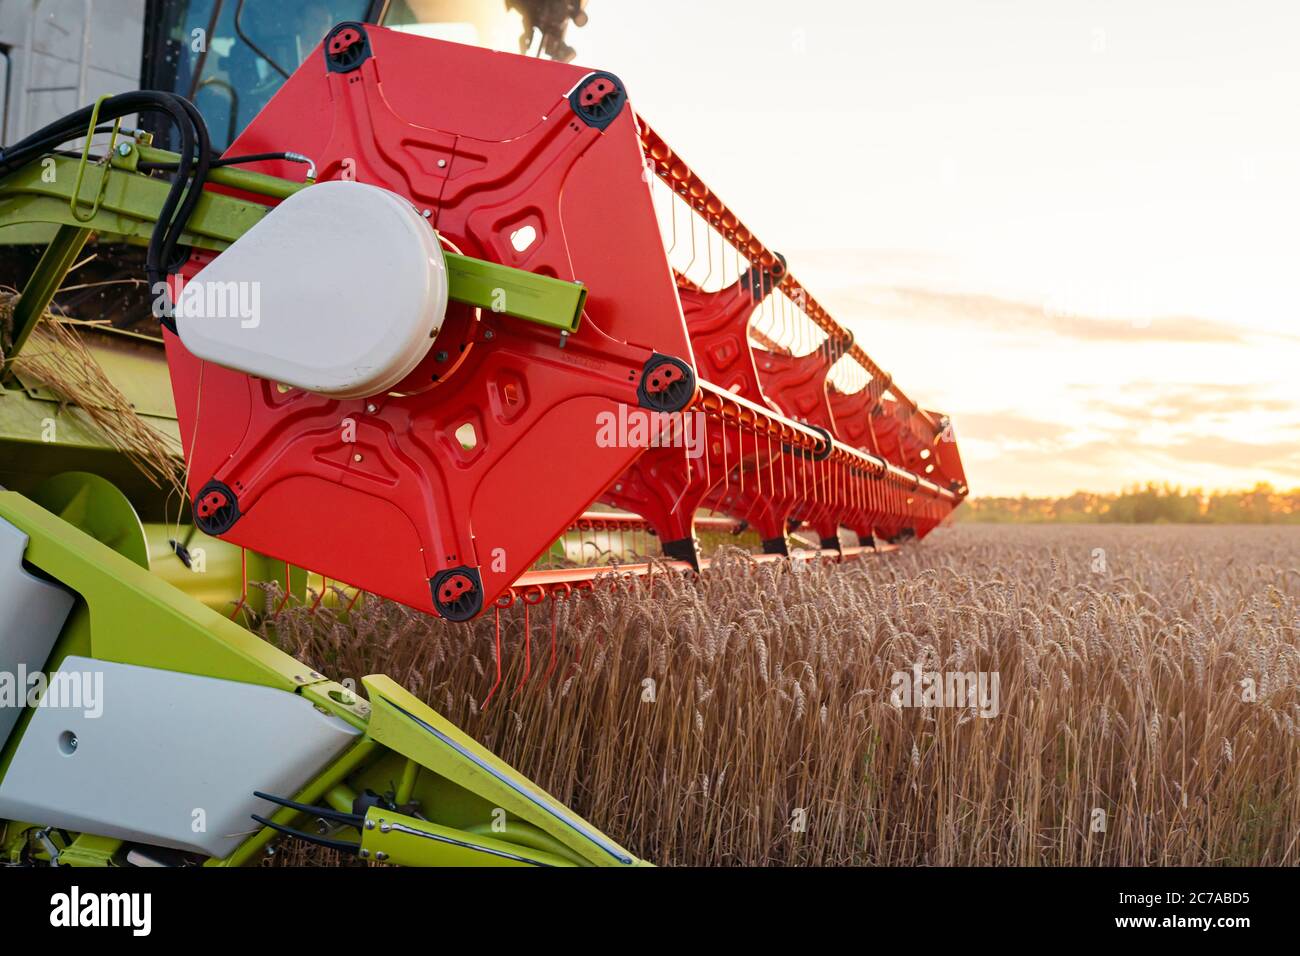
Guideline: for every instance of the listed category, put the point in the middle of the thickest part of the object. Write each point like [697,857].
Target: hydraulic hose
[187,184]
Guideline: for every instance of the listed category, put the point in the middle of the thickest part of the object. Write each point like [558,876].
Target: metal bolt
[270,850]
[365,854]
[124,149]
[370,824]
[489,335]
[317,676]
[442,164]
[385,827]
[427,213]
[370,407]
[381,856]
[441,356]
[357,457]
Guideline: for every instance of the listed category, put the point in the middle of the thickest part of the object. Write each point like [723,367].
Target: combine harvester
[497,301]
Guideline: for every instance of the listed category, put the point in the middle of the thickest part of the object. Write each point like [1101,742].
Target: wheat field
[1147,706]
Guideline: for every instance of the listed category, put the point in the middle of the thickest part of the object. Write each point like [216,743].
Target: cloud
[1188,433]
[1022,317]
[1215,450]
[1181,402]
[1005,426]
[1049,399]
[1167,329]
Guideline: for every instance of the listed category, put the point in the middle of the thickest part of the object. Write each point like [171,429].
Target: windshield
[230,56]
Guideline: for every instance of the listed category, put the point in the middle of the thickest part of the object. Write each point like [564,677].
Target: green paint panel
[130,206]
[523,295]
[396,838]
[402,722]
[40,438]
[136,618]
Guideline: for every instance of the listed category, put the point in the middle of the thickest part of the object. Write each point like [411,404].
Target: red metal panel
[398,503]
[384,494]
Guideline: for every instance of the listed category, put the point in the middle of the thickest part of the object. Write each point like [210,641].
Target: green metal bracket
[523,295]
[128,206]
[85,158]
[137,618]
[391,837]
[406,725]
[59,256]
[42,192]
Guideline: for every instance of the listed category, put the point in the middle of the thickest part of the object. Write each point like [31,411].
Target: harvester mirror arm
[41,192]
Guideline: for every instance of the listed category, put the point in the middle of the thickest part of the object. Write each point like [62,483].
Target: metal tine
[496,624]
[690,221]
[550,668]
[708,477]
[672,207]
[530,598]
[740,451]
[708,251]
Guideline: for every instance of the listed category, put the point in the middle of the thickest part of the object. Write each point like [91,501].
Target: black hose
[232,161]
[186,188]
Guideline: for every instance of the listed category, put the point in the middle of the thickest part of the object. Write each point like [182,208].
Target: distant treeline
[1143,504]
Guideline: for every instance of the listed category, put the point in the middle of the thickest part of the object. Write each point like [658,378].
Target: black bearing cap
[215,507]
[346,47]
[457,593]
[598,99]
[667,384]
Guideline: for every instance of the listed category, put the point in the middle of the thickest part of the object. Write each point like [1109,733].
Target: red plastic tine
[741,454]
[287,591]
[555,597]
[532,596]
[505,600]
[324,586]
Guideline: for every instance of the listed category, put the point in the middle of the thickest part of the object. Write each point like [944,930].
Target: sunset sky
[1072,225]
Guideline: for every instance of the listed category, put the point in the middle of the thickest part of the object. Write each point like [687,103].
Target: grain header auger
[497,300]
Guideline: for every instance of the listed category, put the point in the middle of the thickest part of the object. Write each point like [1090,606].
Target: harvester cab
[410,340]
